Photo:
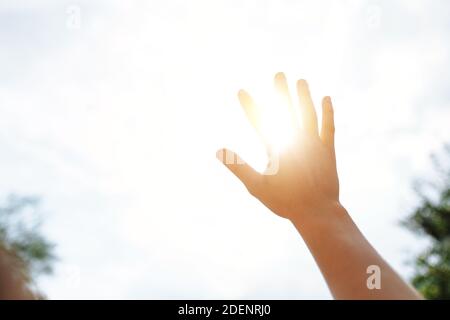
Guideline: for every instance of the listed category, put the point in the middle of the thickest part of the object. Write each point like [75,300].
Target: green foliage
[20,235]
[432,218]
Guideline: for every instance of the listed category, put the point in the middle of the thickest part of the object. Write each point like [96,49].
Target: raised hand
[303,179]
[301,184]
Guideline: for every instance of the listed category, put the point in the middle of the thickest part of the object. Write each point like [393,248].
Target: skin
[305,190]
[12,282]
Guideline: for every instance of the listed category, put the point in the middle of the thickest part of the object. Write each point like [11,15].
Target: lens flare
[277,124]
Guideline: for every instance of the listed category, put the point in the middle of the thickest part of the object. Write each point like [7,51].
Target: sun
[277,125]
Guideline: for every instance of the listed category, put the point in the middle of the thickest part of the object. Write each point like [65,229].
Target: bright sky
[112,111]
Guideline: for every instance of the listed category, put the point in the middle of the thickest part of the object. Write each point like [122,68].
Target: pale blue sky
[115,123]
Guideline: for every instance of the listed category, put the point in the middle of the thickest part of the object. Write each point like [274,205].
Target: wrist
[331,214]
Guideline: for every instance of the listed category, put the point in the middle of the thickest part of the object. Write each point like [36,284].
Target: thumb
[248,176]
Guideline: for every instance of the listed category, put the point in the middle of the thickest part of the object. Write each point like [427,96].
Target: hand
[305,190]
[306,182]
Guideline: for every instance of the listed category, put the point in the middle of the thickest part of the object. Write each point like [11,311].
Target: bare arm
[303,187]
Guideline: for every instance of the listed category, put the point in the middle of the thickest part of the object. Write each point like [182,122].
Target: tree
[432,219]
[20,236]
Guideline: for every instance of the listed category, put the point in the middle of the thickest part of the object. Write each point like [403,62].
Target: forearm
[343,255]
